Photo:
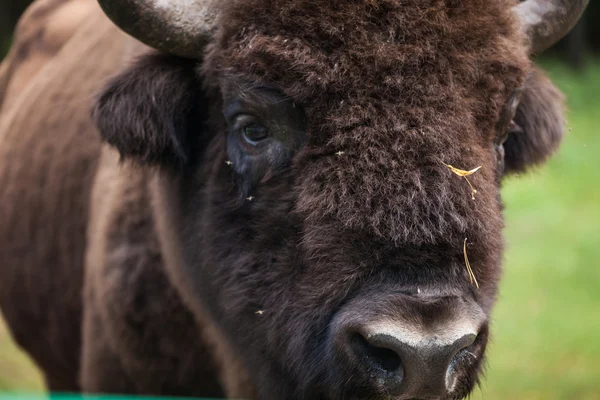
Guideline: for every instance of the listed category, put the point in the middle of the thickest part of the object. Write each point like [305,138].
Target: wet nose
[404,363]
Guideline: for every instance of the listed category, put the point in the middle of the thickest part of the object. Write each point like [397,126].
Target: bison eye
[254,133]
[250,128]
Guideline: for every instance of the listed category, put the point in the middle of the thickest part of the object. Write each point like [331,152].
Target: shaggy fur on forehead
[395,88]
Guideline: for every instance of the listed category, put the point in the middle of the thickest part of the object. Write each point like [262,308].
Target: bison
[267,198]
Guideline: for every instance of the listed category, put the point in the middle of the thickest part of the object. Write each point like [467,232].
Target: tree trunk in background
[577,46]
[10,11]
[5,24]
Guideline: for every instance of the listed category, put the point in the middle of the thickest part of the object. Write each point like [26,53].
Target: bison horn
[545,22]
[180,27]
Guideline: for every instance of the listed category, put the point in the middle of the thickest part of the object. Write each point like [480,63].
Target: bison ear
[538,127]
[150,112]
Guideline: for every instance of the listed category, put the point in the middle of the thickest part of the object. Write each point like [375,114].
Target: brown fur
[124,322]
[178,261]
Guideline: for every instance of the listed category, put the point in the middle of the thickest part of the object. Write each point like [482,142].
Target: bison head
[304,192]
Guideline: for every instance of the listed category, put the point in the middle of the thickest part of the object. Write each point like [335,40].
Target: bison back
[49,153]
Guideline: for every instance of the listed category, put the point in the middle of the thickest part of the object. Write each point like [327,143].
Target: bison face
[304,197]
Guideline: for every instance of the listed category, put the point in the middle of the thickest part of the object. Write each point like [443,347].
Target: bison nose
[404,363]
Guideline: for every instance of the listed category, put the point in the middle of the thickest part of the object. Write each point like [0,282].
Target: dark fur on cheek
[541,120]
[149,111]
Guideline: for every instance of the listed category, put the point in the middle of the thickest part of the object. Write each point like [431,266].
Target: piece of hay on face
[463,173]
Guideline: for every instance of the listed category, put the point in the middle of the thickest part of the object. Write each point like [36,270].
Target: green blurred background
[546,326]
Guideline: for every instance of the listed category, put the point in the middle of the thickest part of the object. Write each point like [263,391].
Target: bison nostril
[464,354]
[408,362]
[379,357]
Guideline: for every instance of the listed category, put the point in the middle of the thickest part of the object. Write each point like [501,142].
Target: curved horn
[545,22]
[180,27]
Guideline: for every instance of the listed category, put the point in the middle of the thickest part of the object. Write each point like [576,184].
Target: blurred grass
[17,372]
[546,326]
